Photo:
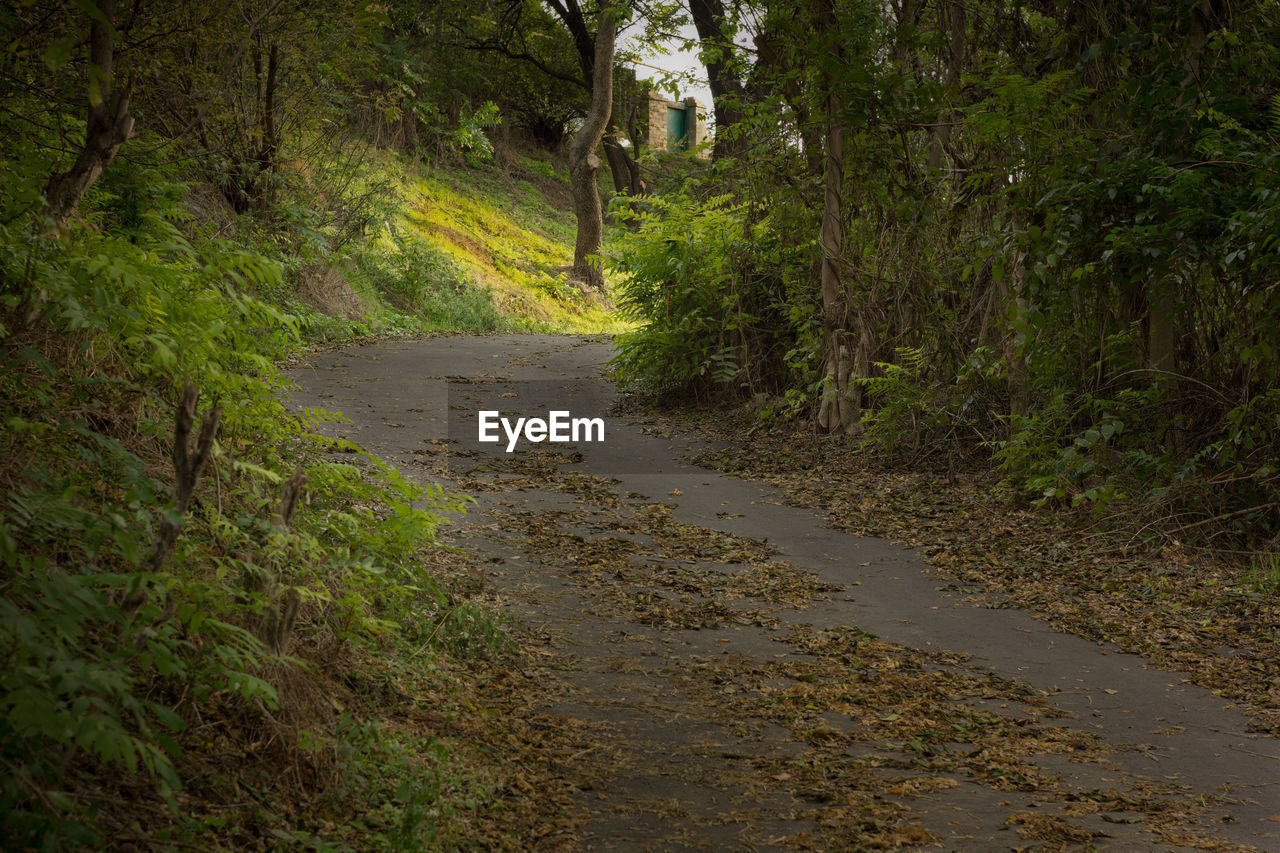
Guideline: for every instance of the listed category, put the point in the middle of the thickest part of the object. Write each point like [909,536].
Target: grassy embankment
[467,250]
[199,653]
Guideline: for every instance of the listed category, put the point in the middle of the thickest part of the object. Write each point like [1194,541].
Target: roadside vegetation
[1037,240]
[1011,300]
[219,629]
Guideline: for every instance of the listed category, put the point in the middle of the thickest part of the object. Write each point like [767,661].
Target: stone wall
[655,131]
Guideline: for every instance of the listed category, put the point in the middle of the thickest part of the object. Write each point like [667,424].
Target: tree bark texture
[583,161]
[108,124]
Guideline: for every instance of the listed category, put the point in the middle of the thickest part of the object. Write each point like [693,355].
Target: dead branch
[282,609]
[290,494]
[187,467]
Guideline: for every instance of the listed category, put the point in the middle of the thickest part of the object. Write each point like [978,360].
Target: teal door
[677,129]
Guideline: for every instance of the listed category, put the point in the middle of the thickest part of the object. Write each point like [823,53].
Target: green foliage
[464,630]
[138,667]
[1058,460]
[906,410]
[470,137]
[420,784]
[441,80]
[1264,574]
[422,281]
[512,236]
[109,656]
[700,281]
[1078,229]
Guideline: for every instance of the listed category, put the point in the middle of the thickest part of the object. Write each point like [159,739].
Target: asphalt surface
[662,788]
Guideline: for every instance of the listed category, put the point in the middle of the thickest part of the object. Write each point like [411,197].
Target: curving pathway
[758,681]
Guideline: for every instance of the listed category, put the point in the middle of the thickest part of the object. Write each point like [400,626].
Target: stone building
[675,125]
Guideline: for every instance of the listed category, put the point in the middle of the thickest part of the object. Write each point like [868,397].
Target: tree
[583,162]
[628,94]
[841,402]
[1047,228]
[524,60]
[244,89]
[108,124]
[718,56]
[508,37]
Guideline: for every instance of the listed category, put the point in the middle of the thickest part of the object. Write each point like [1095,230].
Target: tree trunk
[1162,329]
[625,170]
[583,161]
[951,22]
[270,147]
[726,88]
[841,404]
[1016,353]
[614,153]
[108,126]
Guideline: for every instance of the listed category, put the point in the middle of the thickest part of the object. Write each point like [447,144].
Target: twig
[277,625]
[443,619]
[1224,163]
[1226,515]
[1259,754]
[1172,375]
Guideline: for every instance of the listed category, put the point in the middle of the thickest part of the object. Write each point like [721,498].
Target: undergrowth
[183,606]
[719,304]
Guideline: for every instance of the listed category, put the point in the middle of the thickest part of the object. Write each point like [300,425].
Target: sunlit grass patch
[507,235]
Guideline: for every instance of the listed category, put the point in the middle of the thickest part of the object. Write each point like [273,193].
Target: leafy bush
[424,282]
[700,280]
[110,652]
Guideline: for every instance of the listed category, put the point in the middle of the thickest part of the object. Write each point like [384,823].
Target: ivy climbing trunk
[841,405]
[583,160]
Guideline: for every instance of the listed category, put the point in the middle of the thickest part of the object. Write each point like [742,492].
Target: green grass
[513,236]
[449,248]
[1264,574]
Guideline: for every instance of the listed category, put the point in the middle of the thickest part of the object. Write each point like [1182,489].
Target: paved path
[734,716]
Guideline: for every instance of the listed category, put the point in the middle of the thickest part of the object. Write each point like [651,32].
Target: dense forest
[1035,239]
[1042,232]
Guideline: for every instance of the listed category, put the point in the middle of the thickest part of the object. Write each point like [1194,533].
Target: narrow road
[754,680]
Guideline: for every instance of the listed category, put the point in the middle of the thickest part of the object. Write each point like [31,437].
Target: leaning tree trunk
[625,170]
[617,166]
[583,161]
[108,126]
